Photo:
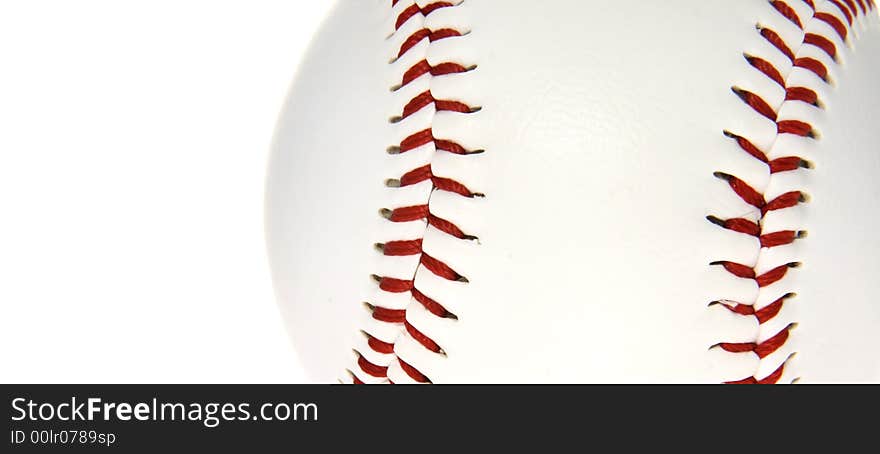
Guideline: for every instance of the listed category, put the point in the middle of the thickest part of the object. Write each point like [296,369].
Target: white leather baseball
[582,191]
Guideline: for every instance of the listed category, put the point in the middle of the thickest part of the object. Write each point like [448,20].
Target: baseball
[488,191]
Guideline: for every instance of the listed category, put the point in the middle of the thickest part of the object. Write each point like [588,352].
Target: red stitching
[448,228]
[781,238]
[767,68]
[401,248]
[777,41]
[426,341]
[768,240]
[811,64]
[422,213]
[413,372]
[417,213]
[423,67]
[822,43]
[380,346]
[788,12]
[843,9]
[768,380]
[763,315]
[737,225]
[802,94]
[425,99]
[425,137]
[414,9]
[425,173]
[762,349]
[787,164]
[849,8]
[432,306]
[751,196]
[394,285]
[784,164]
[432,36]
[756,102]
[747,272]
[408,214]
[796,127]
[440,269]
[388,315]
[370,368]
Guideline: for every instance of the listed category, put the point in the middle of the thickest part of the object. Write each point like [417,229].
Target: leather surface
[602,127]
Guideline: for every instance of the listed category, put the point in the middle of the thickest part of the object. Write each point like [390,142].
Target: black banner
[274,418]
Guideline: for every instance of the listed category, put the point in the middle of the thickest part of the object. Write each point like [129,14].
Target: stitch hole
[393,149]
[395,119]
[739,91]
[716,220]
[723,176]
[726,303]
[386,213]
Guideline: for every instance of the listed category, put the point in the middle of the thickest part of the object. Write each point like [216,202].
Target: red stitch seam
[420,213]
[785,164]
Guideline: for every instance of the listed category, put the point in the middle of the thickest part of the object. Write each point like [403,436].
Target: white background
[134,138]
